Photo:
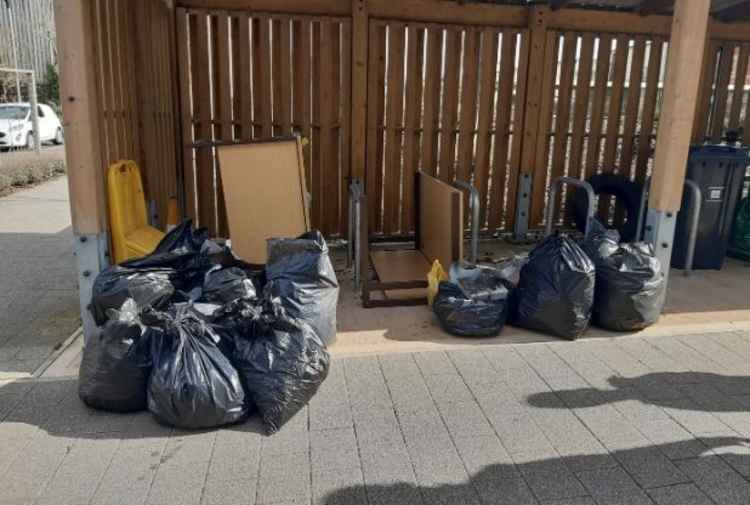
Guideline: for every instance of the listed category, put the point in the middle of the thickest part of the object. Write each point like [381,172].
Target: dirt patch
[21,169]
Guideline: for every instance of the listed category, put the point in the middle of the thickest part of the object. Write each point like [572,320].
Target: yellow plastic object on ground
[434,277]
[132,236]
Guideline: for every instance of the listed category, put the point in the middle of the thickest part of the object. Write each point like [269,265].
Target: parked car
[16,129]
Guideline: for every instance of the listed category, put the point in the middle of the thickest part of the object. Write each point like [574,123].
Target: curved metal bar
[642,209]
[474,205]
[695,215]
[556,185]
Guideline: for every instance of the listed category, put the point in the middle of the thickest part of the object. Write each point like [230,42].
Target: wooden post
[681,89]
[359,88]
[78,94]
[687,43]
[531,114]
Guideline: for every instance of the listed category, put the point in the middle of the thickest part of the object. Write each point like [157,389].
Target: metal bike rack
[474,206]
[556,185]
[696,197]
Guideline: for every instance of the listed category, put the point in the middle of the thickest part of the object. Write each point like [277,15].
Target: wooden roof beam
[648,7]
[558,4]
[736,12]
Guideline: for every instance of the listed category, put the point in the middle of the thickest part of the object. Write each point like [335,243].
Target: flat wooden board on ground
[265,193]
[401,266]
[440,221]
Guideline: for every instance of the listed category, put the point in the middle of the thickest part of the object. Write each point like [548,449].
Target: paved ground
[38,291]
[628,421]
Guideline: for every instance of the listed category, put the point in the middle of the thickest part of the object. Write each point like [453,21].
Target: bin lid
[719,151]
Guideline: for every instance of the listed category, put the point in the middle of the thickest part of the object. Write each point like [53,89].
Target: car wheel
[58,137]
[30,143]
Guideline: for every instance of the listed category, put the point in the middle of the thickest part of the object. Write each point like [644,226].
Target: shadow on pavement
[676,390]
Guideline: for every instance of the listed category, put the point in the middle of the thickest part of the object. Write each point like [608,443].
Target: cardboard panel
[440,220]
[265,193]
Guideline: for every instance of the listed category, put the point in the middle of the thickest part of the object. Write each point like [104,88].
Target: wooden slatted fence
[246,76]
[442,98]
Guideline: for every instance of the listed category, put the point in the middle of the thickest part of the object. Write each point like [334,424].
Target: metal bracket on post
[355,216]
[92,257]
[523,202]
[474,206]
[550,210]
[696,197]
[660,228]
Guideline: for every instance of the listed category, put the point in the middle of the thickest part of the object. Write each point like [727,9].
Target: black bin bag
[299,272]
[282,363]
[116,363]
[192,384]
[147,287]
[630,288]
[555,291]
[474,302]
[223,285]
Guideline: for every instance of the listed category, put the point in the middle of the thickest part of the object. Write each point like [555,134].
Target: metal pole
[642,209]
[695,215]
[590,196]
[13,48]
[474,205]
[35,116]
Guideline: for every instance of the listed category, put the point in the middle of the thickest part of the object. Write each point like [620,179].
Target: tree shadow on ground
[676,390]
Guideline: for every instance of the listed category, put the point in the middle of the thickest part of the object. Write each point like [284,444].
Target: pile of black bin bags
[561,287]
[202,339]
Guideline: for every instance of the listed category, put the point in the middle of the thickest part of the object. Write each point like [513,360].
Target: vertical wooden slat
[223,101]
[739,86]
[649,108]
[722,90]
[450,104]
[332,170]
[203,128]
[502,123]
[302,76]
[631,109]
[489,41]
[276,89]
[243,71]
[345,120]
[580,114]
[431,100]
[414,67]
[467,123]
[358,68]
[562,123]
[317,143]
[262,77]
[597,106]
[705,92]
[186,114]
[109,80]
[376,101]
[519,127]
[395,100]
[102,63]
[539,182]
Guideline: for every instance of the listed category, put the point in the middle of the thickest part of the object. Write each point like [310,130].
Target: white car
[16,129]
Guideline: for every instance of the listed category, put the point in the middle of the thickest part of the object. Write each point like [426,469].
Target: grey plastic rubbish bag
[115,366]
[148,287]
[192,384]
[282,363]
[630,288]
[300,273]
[474,302]
[555,291]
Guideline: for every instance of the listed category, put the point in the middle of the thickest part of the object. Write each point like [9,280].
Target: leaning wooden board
[440,221]
[265,194]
